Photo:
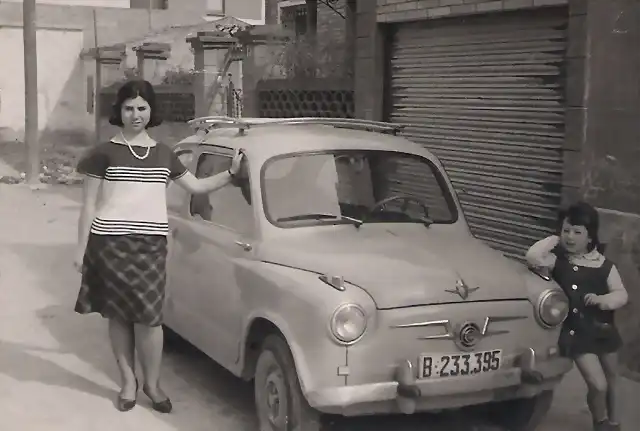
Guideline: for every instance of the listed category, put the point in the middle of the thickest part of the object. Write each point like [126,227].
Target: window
[229,206]
[216,7]
[149,4]
[175,194]
[320,188]
[294,18]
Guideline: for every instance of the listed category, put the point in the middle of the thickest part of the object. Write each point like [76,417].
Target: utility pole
[149,12]
[31,138]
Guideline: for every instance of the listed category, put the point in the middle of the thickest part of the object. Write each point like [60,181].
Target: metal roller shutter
[486,95]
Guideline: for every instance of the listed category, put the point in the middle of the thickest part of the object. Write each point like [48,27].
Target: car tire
[280,403]
[523,414]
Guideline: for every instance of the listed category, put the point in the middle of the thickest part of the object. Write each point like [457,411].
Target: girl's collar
[593,255]
[142,140]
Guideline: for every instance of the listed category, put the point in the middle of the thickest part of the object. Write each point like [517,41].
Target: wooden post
[350,37]
[98,80]
[312,19]
[31,138]
[199,79]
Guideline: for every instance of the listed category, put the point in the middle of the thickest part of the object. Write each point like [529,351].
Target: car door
[211,244]
[176,315]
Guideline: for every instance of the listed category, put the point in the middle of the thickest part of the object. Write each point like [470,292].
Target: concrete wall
[603,167]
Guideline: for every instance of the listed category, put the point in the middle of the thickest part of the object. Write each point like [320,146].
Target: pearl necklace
[132,150]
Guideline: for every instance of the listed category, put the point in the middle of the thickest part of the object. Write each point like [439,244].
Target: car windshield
[355,186]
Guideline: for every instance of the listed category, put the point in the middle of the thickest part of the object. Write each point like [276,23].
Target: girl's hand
[236,162]
[593,299]
[77,261]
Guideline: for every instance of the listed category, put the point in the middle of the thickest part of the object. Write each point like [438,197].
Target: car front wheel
[524,414]
[280,404]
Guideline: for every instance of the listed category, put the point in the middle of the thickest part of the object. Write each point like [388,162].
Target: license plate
[459,364]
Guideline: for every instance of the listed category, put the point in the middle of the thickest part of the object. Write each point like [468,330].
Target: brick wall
[409,10]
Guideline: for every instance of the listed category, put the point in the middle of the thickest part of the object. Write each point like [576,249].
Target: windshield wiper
[321,216]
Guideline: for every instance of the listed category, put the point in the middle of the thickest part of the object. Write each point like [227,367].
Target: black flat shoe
[125,405]
[164,406]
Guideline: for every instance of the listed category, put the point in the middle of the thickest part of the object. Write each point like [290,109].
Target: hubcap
[275,397]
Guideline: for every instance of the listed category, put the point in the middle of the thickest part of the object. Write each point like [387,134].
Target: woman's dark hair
[583,214]
[131,90]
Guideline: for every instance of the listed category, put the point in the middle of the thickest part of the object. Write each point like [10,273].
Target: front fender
[300,306]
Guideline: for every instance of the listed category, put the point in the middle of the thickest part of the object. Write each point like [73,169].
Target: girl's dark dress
[587,329]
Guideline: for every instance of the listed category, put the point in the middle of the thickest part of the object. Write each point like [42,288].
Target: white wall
[94,3]
[60,84]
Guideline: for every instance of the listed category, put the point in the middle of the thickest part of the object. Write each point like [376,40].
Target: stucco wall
[60,90]
[91,3]
[64,31]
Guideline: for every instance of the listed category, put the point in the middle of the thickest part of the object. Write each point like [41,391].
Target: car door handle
[245,245]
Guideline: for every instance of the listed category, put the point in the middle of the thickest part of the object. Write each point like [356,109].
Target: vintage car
[338,273]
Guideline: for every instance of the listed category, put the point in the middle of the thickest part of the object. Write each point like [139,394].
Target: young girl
[593,285]
[122,237]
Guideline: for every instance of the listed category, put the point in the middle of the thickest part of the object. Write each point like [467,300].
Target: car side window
[229,206]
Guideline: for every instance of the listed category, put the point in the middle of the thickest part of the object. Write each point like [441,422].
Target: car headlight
[348,323]
[552,309]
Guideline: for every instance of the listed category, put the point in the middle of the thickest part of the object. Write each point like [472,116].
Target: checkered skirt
[124,277]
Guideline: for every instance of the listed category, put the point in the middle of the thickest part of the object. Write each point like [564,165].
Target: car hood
[403,270]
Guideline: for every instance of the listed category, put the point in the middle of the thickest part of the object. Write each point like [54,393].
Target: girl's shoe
[125,405]
[614,426]
[163,406]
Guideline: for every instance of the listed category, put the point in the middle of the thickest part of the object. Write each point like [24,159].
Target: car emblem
[468,335]
[462,289]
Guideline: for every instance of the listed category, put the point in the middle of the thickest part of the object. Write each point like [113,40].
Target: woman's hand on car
[236,163]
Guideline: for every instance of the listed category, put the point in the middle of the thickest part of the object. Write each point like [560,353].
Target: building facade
[530,105]
[66,29]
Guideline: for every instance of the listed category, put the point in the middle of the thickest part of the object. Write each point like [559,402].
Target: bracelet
[230,174]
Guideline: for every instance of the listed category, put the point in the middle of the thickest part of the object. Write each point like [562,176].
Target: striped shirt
[133,199]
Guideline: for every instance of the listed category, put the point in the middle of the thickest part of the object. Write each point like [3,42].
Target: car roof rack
[243,124]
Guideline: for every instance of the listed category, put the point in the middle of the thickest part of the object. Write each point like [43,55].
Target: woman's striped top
[133,198]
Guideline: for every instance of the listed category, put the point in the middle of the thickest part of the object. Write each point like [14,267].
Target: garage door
[485,94]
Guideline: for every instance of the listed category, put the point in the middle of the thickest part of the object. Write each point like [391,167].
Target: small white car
[339,274]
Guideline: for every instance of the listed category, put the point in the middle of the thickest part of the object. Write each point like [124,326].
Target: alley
[57,372]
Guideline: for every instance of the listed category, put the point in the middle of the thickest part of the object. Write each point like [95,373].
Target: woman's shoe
[124,405]
[163,406]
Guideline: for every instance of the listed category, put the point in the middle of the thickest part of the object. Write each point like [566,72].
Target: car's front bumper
[408,395]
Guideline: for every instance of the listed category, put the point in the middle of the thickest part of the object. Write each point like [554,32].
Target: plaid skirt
[124,277]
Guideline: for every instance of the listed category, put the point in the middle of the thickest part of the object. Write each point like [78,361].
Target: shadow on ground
[195,379]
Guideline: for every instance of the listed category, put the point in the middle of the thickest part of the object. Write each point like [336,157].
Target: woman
[122,242]
[595,290]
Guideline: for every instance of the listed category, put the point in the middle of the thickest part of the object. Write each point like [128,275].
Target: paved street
[57,372]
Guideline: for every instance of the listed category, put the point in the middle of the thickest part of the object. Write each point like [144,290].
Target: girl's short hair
[583,214]
[131,90]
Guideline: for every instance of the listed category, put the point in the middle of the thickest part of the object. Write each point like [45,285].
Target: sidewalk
[56,372]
